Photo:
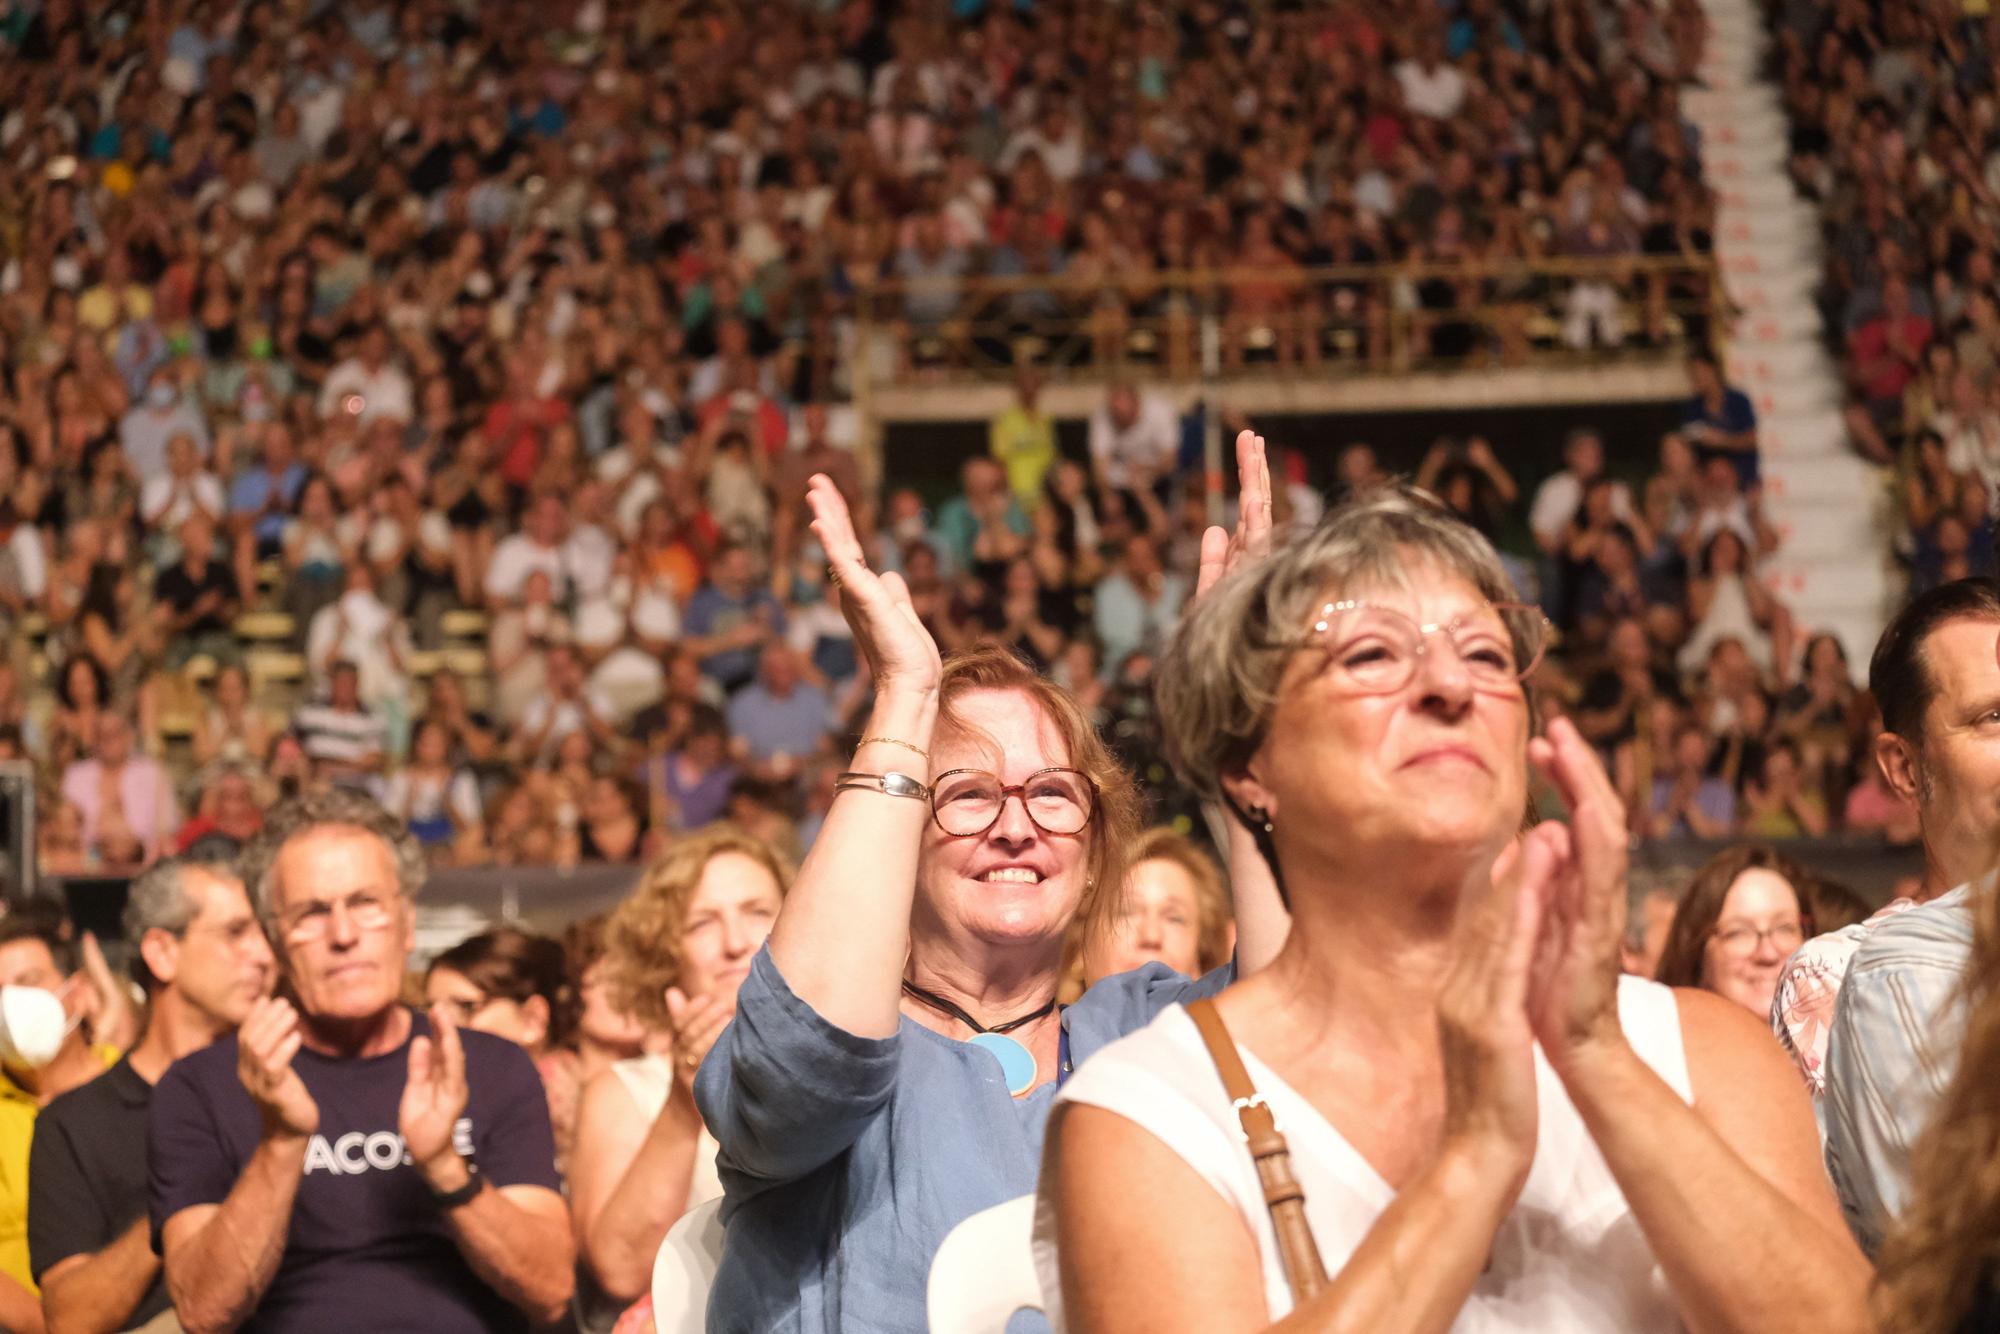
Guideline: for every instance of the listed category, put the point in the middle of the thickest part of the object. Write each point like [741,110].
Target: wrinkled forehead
[1413,583]
[330,862]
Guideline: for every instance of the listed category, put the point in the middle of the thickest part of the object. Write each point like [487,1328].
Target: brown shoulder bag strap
[1282,1192]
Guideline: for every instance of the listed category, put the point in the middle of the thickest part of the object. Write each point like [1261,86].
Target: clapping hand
[434,1094]
[265,1046]
[1574,999]
[697,1024]
[1222,551]
[892,640]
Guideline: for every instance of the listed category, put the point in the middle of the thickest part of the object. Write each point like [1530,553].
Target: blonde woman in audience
[232,728]
[677,949]
[1492,1131]
[1175,912]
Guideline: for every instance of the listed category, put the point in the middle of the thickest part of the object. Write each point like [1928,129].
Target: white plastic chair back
[984,1272]
[684,1270]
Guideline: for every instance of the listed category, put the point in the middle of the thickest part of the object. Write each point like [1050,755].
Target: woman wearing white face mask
[897,1046]
[1490,1129]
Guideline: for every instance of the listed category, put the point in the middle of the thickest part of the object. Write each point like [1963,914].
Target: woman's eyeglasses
[1375,650]
[1740,942]
[968,802]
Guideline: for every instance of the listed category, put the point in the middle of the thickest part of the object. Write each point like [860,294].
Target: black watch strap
[451,1199]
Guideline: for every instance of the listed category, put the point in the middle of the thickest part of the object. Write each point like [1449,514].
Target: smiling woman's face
[1015,883]
[1437,766]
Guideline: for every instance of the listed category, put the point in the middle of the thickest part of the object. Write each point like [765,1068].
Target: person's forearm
[1414,1270]
[526,1257]
[622,1241]
[20,1313]
[218,1275]
[1738,1255]
[844,932]
[99,1293]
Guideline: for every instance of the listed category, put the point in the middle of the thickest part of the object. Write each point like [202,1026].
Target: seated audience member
[730,618]
[339,1153]
[346,740]
[780,718]
[516,986]
[1936,1270]
[1933,669]
[605,1032]
[437,799]
[1490,1127]
[36,1068]
[1719,419]
[228,808]
[677,947]
[1688,800]
[1780,799]
[1175,912]
[612,827]
[126,798]
[203,960]
[1745,913]
[689,786]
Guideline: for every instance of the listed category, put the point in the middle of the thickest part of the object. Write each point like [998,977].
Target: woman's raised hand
[1222,551]
[1574,1002]
[900,653]
[1487,1039]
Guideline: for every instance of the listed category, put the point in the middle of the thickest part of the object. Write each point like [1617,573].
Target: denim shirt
[846,1160]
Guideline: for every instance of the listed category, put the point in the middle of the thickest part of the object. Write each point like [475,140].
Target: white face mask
[33,1026]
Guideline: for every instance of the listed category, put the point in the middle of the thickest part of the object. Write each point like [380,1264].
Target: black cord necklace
[939,1003]
[1017,1063]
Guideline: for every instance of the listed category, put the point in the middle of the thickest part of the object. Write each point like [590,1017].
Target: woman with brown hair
[676,950]
[517,986]
[1745,913]
[1939,1270]
[898,1044]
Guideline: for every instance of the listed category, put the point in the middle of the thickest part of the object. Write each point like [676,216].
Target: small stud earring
[1260,816]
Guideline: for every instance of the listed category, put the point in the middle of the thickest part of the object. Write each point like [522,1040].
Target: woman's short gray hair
[318,810]
[1219,681]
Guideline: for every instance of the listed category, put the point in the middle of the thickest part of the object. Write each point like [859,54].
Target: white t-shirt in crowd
[1147,448]
[1570,1256]
[515,557]
[165,501]
[384,391]
[1559,498]
[1437,92]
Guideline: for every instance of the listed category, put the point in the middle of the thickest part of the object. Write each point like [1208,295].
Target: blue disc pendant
[1017,1067]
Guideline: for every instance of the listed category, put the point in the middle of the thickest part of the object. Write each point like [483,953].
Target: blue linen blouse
[846,1160]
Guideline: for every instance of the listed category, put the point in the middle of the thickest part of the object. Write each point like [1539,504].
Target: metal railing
[1228,323]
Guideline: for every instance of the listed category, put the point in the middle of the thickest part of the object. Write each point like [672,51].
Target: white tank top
[649,1079]
[1570,1257]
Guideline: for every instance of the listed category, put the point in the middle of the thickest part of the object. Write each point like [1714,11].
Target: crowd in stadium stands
[408,414]
[1893,114]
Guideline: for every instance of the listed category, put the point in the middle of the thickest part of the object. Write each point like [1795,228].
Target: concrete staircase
[1831,509]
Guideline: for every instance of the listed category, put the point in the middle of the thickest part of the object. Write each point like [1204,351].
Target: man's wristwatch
[451,1199]
[890,784]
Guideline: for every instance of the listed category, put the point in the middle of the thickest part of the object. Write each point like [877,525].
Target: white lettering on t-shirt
[357,1152]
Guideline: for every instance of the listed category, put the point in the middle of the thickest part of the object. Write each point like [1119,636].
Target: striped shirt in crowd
[1893,1050]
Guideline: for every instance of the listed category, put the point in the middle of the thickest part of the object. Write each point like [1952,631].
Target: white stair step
[1803,435]
[1761,292]
[1760,363]
[1822,586]
[1780,324]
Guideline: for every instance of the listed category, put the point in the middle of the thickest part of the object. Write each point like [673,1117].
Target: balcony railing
[1232,323]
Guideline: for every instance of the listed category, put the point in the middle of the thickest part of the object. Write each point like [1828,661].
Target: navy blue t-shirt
[367,1249]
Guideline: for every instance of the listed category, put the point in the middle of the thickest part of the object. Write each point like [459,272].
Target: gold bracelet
[891,741]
